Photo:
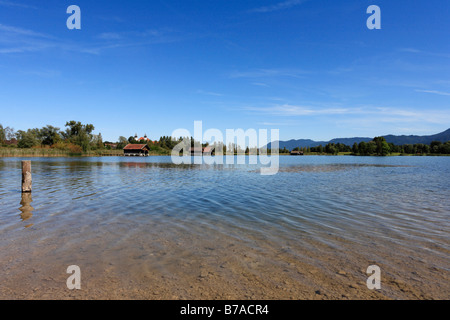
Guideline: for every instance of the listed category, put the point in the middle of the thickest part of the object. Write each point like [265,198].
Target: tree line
[78,138]
[380,147]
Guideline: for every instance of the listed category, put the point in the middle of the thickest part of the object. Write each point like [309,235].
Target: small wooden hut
[136,150]
[199,151]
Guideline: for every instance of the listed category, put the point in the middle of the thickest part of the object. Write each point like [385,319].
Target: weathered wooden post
[26,176]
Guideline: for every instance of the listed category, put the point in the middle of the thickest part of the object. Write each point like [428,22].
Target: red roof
[201,150]
[135,147]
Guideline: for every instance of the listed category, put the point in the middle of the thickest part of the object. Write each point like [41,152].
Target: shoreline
[168,155]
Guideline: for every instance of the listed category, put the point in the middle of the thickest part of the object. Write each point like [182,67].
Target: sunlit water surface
[145,228]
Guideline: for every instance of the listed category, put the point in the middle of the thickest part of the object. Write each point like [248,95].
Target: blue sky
[310,68]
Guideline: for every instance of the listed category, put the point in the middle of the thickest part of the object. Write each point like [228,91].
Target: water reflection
[162,165]
[26,208]
[335,167]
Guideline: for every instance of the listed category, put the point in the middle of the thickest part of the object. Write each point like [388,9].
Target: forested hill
[397,140]
[400,140]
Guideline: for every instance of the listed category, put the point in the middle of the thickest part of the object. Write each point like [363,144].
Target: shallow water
[143,228]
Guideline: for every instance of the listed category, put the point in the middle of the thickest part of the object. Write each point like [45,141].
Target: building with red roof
[136,150]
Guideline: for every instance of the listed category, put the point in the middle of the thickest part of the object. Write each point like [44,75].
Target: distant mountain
[397,140]
[350,141]
[291,144]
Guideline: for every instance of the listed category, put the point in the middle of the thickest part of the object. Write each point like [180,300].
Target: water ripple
[349,206]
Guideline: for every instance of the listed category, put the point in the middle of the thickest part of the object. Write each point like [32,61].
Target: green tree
[79,134]
[445,148]
[435,146]
[355,148]
[49,135]
[381,146]
[27,139]
[385,149]
[409,149]
[371,148]
[363,148]
[331,148]
[122,142]
[99,141]
[2,135]
[395,148]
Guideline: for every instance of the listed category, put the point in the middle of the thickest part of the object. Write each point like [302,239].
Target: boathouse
[198,151]
[296,153]
[136,150]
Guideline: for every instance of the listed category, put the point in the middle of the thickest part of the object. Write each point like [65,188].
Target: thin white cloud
[355,114]
[291,110]
[209,93]
[45,73]
[392,112]
[271,124]
[19,40]
[111,18]
[153,34]
[427,53]
[260,84]
[16,5]
[265,73]
[15,50]
[278,6]
[110,36]
[10,30]
[441,93]
[410,50]
[29,47]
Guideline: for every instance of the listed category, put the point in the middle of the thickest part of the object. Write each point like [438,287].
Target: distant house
[198,151]
[144,139]
[11,142]
[111,145]
[297,153]
[208,150]
[136,150]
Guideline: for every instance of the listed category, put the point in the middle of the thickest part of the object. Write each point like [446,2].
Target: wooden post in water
[26,176]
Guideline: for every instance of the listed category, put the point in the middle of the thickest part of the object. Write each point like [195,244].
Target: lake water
[143,228]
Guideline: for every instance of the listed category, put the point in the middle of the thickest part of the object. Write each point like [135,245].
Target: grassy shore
[47,152]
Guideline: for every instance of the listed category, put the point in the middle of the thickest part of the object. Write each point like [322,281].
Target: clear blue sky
[311,69]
